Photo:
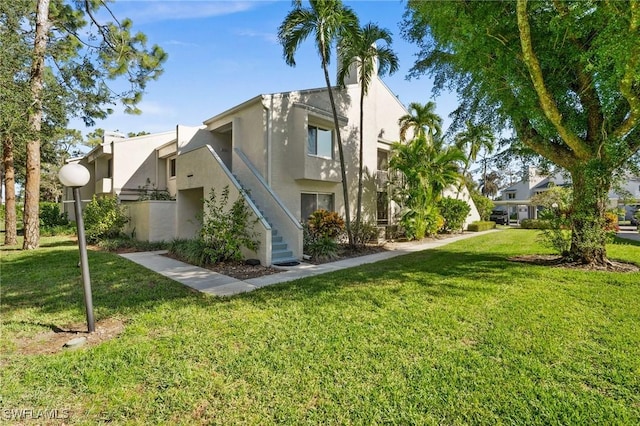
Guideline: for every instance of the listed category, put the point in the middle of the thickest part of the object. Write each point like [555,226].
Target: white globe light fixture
[76,176]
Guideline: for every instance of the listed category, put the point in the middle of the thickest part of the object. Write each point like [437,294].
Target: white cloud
[179,43]
[269,37]
[145,11]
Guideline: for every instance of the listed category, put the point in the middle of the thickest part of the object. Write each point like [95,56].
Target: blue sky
[222,53]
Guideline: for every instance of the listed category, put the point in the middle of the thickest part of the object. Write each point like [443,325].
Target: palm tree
[475,138]
[428,169]
[361,48]
[327,21]
[420,118]
[490,184]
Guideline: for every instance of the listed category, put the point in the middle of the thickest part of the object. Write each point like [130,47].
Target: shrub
[226,230]
[323,223]
[535,224]
[103,218]
[321,232]
[611,222]
[50,215]
[454,212]
[364,233]
[481,226]
[128,243]
[418,224]
[483,204]
[322,248]
[192,251]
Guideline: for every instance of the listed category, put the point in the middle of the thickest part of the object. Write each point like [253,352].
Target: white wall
[151,220]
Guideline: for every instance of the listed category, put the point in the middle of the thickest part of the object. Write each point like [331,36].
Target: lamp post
[76,176]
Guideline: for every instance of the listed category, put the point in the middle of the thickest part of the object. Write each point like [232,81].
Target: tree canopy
[565,76]
[64,58]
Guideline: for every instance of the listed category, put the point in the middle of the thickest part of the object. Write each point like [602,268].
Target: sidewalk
[629,232]
[217,284]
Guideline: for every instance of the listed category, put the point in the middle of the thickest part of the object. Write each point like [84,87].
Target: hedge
[481,226]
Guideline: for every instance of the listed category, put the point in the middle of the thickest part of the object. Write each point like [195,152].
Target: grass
[457,335]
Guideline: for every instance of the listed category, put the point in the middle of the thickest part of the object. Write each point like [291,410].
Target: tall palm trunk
[345,186]
[10,219]
[32,184]
[360,161]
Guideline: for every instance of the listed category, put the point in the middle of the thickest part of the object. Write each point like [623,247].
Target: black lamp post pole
[84,261]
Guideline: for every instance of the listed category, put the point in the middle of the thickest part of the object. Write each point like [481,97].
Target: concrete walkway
[213,283]
[629,232]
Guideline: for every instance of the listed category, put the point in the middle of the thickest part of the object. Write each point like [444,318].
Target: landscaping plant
[454,212]
[226,229]
[103,218]
[321,233]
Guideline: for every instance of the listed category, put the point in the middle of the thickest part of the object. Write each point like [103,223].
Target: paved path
[210,282]
[629,232]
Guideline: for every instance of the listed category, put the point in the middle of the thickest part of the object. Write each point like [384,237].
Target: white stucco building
[516,199]
[280,149]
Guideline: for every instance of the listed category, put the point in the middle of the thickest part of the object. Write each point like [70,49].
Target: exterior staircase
[280,253]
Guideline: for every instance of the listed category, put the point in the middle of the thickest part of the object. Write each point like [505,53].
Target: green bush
[322,249]
[483,204]
[50,215]
[535,224]
[479,226]
[323,223]
[103,218]
[192,251]
[128,243]
[226,230]
[321,232]
[364,233]
[420,223]
[454,212]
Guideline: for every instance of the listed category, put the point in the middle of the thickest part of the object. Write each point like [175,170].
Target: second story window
[320,142]
[511,196]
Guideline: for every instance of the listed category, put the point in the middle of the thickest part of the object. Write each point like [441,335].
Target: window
[383,160]
[172,168]
[109,168]
[320,142]
[511,196]
[383,208]
[309,203]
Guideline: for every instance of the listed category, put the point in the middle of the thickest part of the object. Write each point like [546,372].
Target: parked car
[501,217]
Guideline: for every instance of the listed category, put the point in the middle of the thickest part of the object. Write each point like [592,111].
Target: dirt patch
[346,252]
[241,270]
[558,261]
[53,341]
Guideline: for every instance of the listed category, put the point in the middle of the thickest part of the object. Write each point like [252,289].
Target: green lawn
[457,335]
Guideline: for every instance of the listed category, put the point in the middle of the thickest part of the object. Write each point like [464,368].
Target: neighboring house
[276,150]
[516,199]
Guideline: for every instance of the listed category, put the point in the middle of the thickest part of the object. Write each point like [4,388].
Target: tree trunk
[32,176]
[361,161]
[10,220]
[345,186]
[591,184]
